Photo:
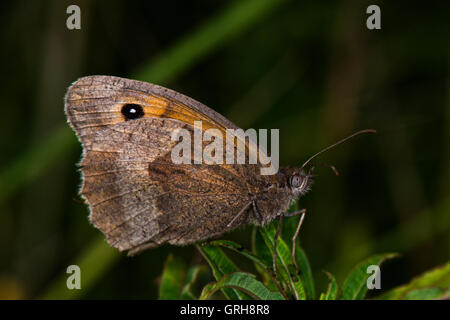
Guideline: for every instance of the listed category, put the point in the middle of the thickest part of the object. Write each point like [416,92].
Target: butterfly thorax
[278,193]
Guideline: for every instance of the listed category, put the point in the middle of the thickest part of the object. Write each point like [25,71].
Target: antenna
[337,143]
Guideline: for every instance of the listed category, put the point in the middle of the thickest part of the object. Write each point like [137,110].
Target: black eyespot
[132,111]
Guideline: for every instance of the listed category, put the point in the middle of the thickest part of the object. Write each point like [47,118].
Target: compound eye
[296,181]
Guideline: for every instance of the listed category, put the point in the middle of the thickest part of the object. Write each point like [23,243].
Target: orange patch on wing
[156,106]
[161,107]
[165,108]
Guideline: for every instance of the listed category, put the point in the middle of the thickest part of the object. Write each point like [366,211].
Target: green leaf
[191,277]
[267,233]
[355,286]
[260,264]
[289,228]
[305,272]
[290,225]
[284,259]
[245,282]
[241,250]
[427,294]
[332,290]
[438,277]
[172,279]
[300,290]
[260,250]
[221,265]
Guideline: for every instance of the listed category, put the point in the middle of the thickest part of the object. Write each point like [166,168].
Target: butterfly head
[300,181]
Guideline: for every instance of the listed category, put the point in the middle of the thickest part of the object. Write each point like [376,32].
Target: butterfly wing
[94,102]
[137,196]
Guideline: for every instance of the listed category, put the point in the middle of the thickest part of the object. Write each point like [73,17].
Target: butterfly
[138,197]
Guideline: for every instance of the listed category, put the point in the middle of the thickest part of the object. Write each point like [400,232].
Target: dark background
[310,68]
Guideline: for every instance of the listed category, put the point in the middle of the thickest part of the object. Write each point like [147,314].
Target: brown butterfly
[138,197]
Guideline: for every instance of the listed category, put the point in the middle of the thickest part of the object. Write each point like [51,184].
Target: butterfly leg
[294,238]
[258,215]
[274,256]
[245,208]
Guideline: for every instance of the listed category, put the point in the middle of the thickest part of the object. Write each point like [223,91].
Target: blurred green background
[310,68]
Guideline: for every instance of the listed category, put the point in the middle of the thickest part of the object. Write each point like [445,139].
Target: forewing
[137,196]
[95,102]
